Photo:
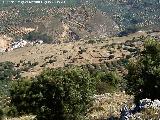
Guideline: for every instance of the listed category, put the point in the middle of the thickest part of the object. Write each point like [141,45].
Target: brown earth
[5,41]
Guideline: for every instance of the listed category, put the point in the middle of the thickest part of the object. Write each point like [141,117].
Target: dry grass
[150,113]
[27,117]
[5,41]
[74,54]
[108,105]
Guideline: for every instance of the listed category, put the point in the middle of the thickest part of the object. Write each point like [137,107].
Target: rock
[156,104]
[134,112]
[145,103]
[125,113]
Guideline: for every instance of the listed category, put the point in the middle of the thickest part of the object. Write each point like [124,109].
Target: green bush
[1,114]
[19,96]
[62,94]
[7,73]
[106,82]
[91,41]
[143,78]
[10,111]
[7,70]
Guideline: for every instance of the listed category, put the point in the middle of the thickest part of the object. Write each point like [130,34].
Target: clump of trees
[7,73]
[35,36]
[62,94]
[143,78]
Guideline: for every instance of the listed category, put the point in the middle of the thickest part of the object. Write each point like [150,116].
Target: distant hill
[132,14]
[68,23]
[80,18]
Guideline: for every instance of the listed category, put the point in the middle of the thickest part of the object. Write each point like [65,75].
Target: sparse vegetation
[91,41]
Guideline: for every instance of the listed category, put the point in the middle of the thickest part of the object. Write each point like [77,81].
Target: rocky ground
[109,105]
[116,106]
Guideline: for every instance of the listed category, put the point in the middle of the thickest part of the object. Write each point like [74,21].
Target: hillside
[18,20]
[132,14]
[74,53]
[98,18]
[79,60]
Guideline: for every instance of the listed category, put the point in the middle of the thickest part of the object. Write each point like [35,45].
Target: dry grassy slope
[65,53]
[109,105]
[5,41]
[83,21]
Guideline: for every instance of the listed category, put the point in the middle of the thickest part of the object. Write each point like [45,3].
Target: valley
[79,60]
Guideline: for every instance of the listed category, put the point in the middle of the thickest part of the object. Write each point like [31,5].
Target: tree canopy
[143,78]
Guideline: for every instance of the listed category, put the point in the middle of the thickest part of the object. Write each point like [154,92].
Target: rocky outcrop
[131,113]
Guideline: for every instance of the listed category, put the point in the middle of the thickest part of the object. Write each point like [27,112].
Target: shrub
[91,41]
[51,61]
[106,81]
[62,94]
[128,56]
[81,51]
[10,111]
[6,70]
[143,78]
[1,114]
[19,96]
[35,64]
[7,73]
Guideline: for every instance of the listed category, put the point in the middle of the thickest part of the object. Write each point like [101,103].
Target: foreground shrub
[143,78]
[107,82]
[1,114]
[7,73]
[10,111]
[55,94]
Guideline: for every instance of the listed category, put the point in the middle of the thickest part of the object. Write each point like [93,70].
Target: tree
[7,73]
[106,82]
[143,78]
[61,94]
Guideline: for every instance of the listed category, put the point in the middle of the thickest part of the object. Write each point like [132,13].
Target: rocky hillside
[62,23]
[97,18]
[132,14]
